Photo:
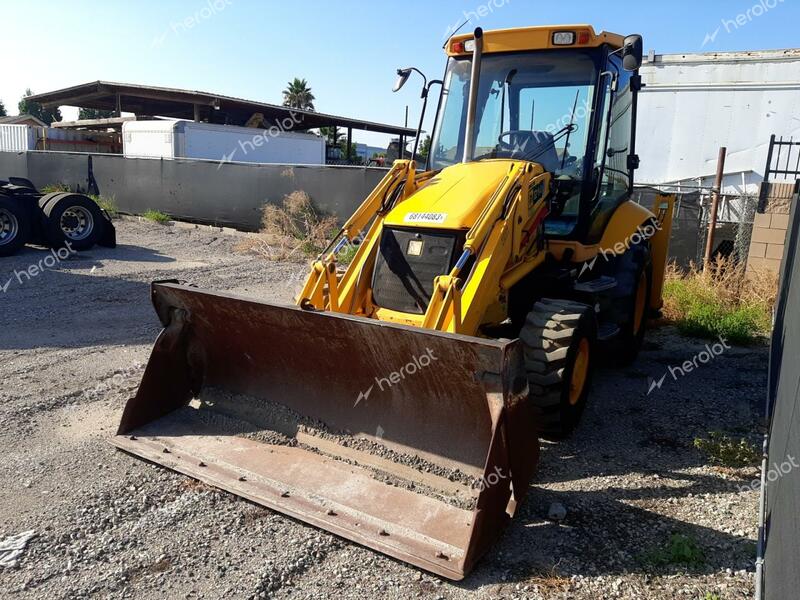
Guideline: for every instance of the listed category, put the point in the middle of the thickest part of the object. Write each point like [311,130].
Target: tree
[3,109]
[425,147]
[354,157]
[298,95]
[334,138]
[332,135]
[27,107]
[95,113]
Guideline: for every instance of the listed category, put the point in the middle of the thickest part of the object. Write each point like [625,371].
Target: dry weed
[293,230]
[723,299]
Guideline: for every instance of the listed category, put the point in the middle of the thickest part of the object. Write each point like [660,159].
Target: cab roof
[533,38]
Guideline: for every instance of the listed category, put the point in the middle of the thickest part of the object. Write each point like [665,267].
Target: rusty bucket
[415,443]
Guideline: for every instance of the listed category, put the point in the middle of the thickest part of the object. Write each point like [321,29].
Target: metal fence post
[712,221]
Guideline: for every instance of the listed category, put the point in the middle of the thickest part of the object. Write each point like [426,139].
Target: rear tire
[636,276]
[558,342]
[72,219]
[15,226]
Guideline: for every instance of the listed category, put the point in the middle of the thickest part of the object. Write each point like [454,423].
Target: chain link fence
[735,216]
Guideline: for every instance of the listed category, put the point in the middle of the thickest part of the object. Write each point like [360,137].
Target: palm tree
[298,95]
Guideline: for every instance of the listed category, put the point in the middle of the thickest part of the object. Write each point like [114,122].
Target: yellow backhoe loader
[399,402]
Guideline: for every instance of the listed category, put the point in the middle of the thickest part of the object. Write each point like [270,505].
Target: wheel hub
[76,223]
[9,226]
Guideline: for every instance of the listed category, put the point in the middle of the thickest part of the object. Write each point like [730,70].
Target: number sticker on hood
[425,217]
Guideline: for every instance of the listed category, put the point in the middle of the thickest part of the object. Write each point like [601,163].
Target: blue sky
[348,51]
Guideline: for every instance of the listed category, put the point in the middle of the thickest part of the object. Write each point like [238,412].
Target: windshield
[533,106]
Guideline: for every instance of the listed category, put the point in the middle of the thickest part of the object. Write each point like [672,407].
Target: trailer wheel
[72,219]
[15,226]
[559,342]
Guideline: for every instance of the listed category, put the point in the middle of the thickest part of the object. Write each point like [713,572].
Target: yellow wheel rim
[579,372]
[639,306]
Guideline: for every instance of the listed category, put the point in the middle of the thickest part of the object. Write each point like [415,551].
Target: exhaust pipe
[469,134]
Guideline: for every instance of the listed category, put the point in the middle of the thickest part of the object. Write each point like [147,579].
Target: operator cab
[568,103]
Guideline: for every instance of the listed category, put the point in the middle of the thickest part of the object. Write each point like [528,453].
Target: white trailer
[692,104]
[17,138]
[224,143]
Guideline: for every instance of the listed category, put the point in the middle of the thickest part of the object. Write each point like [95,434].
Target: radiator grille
[407,262]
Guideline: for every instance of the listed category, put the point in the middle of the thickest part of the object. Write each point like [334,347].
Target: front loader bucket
[416,443]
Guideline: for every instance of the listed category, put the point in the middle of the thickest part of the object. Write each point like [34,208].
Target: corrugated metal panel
[693,104]
[16,138]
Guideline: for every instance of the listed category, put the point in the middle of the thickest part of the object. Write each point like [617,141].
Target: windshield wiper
[571,122]
[567,129]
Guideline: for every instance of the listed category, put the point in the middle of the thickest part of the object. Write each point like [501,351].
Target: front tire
[558,342]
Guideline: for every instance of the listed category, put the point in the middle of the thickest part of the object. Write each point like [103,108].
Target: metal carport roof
[144,100]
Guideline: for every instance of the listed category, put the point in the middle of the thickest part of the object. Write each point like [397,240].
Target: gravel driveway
[73,345]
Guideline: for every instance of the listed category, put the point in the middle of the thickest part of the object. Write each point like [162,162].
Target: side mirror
[632,52]
[402,77]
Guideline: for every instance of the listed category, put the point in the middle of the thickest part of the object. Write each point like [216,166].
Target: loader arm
[503,245]
[325,288]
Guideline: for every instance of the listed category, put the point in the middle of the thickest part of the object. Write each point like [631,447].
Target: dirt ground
[73,345]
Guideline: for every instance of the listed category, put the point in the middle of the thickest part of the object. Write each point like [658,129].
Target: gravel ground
[72,349]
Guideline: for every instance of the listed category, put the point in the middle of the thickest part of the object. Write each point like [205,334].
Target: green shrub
[723,301]
[55,187]
[107,204]
[347,254]
[679,550]
[728,452]
[156,216]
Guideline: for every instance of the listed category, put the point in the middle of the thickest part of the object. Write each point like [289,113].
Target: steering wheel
[508,146]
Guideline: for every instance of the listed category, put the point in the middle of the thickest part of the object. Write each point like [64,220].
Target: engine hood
[454,198]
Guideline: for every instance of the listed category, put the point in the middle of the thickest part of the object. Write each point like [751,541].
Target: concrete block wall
[769,228]
[201,191]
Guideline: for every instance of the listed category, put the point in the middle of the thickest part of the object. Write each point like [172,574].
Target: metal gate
[783,165]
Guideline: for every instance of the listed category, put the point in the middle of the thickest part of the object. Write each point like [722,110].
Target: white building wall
[694,103]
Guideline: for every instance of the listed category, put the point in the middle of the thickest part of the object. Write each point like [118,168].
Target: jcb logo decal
[535,194]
